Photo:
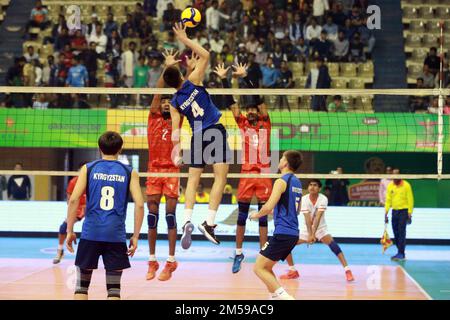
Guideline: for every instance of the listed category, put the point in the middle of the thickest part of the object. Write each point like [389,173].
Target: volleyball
[191,17]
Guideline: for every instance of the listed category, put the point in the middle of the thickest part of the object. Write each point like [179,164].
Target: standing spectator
[356,49]
[48,70]
[127,26]
[154,72]
[57,28]
[141,71]
[213,16]
[318,78]
[252,81]
[3,186]
[90,61]
[110,25]
[313,32]
[302,51]
[428,77]
[62,39]
[78,42]
[356,18]
[100,39]
[383,187]
[38,18]
[296,29]
[91,26]
[114,40]
[445,76]
[59,73]
[150,7]
[170,16]
[161,7]
[367,39]
[19,185]
[337,105]
[433,61]
[270,75]
[30,55]
[138,15]
[200,38]
[338,14]
[78,75]
[340,48]
[14,77]
[320,7]
[278,56]
[331,28]
[323,47]
[127,64]
[68,55]
[144,29]
[201,195]
[37,72]
[262,28]
[285,81]
[111,79]
[338,190]
[399,197]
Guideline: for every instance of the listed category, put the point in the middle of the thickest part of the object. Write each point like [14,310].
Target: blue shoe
[238,258]
[398,257]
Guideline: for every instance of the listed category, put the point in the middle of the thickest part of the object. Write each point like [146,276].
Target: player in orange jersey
[80,215]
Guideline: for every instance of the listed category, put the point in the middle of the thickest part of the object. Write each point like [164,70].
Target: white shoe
[284,296]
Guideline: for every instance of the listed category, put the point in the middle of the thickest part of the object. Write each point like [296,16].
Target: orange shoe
[166,274]
[349,275]
[153,266]
[292,274]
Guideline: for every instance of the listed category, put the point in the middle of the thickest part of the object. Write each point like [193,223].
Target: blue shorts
[204,152]
[279,247]
[114,255]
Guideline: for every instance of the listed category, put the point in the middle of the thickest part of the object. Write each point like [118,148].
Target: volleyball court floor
[204,272]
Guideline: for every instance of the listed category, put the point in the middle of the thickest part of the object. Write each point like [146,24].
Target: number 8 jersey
[195,103]
[107,189]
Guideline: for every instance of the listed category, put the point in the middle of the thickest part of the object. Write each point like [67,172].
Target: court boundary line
[421,289]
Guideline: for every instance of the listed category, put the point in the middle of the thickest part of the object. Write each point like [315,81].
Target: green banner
[379,132]
[57,128]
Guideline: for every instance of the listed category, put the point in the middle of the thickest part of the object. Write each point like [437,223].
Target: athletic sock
[238,252]
[280,291]
[211,217]
[187,215]
[292,268]
[60,247]
[171,259]
[347,268]
[273,295]
[152,257]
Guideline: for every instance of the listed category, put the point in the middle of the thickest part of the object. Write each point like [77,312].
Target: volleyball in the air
[191,17]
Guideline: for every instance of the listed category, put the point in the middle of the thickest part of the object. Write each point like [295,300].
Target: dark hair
[419,78]
[19,163]
[110,143]
[337,97]
[172,77]
[294,159]
[81,164]
[319,183]
[166,97]
[433,48]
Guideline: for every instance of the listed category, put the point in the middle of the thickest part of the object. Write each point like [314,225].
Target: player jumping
[209,140]
[314,228]
[284,202]
[63,227]
[107,183]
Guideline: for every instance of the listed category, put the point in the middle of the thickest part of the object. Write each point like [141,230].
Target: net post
[441,105]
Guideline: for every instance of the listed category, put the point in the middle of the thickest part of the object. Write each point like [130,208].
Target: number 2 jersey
[107,189]
[196,105]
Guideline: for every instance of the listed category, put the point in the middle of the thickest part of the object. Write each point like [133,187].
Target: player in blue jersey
[107,183]
[284,202]
[209,140]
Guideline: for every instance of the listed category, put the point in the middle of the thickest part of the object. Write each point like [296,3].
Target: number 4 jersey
[107,189]
[195,103]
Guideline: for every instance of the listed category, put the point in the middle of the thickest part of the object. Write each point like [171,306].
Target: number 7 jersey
[107,189]
[195,103]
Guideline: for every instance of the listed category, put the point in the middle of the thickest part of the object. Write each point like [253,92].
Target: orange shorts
[80,212]
[163,186]
[261,188]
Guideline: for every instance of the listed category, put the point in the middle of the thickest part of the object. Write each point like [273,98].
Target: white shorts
[320,233]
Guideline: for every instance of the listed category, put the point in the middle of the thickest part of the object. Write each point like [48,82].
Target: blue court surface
[427,266]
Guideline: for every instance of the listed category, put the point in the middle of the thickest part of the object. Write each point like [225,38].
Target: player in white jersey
[314,228]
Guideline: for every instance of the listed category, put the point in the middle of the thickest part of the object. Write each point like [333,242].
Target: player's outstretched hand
[192,61]
[253,216]
[180,30]
[311,239]
[221,71]
[240,70]
[71,237]
[133,246]
[170,57]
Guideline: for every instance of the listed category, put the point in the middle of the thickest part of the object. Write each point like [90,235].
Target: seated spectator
[302,50]
[252,43]
[280,28]
[228,196]
[433,61]
[313,32]
[323,47]
[14,76]
[30,55]
[100,39]
[428,77]
[144,29]
[38,18]
[170,16]
[337,105]
[216,42]
[201,196]
[338,14]
[367,39]
[200,38]
[433,106]
[270,75]
[340,48]
[92,24]
[262,28]
[58,74]
[289,49]
[138,16]
[348,30]
[356,49]
[68,56]
[318,78]
[19,185]
[110,25]
[226,56]
[331,28]
[62,39]
[278,56]
[356,17]
[78,42]
[126,27]
[78,75]
[171,42]
[245,28]
[40,101]
[320,7]
[296,29]
[241,55]
[56,29]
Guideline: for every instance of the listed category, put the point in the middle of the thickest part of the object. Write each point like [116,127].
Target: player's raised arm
[136,193]
[74,200]
[197,76]
[278,188]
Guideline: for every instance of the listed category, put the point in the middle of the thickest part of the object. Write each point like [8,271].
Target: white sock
[171,259]
[347,268]
[60,247]
[152,257]
[273,295]
[280,291]
[292,268]
[187,215]
[238,251]
[211,217]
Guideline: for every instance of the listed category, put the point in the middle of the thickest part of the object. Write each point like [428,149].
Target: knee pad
[171,221]
[113,283]
[263,221]
[152,220]
[83,281]
[243,213]
[63,228]
[335,248]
